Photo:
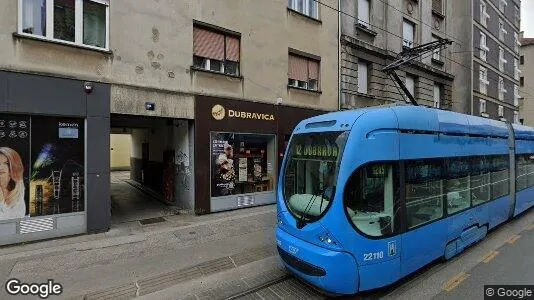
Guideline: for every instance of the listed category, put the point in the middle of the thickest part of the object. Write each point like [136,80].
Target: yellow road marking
[488,257]
[455,281]
[513,239]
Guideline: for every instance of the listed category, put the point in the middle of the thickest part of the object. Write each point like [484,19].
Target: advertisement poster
[57,165]
[223,165]
[14,166]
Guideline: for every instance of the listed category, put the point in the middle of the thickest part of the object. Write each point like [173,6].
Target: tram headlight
[327,239]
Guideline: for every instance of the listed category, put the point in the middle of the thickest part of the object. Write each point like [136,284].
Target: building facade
[526,81]
[373,32]
[209,91]
[490,79]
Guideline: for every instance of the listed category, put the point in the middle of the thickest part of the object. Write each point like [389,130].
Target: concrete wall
[526,109]
[151,47]
[120,151]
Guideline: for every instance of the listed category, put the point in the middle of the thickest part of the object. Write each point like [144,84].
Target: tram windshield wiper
[301,222]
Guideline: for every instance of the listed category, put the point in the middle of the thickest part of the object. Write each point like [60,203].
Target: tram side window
[456,177]
[480,179]
[521,181]
[524,171]
[499,177]
[370,196]
[424,189]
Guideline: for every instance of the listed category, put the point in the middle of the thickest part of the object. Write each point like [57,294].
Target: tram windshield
[311,173]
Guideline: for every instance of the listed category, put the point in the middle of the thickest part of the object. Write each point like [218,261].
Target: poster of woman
[14,158]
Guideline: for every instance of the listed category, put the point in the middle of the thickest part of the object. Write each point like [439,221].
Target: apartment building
[491,29]
[208,90]
[374,32]
[526,81]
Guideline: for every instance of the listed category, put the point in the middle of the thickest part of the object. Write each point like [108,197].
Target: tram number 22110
[373,255]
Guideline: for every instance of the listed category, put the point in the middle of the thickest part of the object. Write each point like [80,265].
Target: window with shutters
[303,72]
[215,51]
[364,12]
[437,6]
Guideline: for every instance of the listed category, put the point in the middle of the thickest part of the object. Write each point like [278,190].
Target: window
[516,42]
[240,164]
[524,170]
[502,31]
[303,72]
[410,84]
[215,51]
[436,55]
[370,198]
[79,22]
[480,180]
[408,34]
[522,59]
[483,78]
[516,95]
[437,94]
[516,117]
[306,7]
[424,186]
[363,70]
[483,47]
[502,5]
[502,61]
[517,17]
[521,81]
[437,6]
[516,69]
[499,177]
[484,16]
[502,90]
[501,111]
[456,184]
[364,12]
[482,106]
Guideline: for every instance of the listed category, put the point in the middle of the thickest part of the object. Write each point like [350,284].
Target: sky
[527,18]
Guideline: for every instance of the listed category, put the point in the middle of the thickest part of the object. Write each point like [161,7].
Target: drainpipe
[339,55]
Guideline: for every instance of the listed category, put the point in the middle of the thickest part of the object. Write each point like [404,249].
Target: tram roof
[416,118]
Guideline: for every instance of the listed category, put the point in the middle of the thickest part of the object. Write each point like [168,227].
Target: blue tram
[368,196]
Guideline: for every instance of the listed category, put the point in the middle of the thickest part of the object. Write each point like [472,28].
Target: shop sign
[219,112]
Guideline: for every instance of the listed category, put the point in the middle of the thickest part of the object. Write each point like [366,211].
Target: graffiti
[182,161]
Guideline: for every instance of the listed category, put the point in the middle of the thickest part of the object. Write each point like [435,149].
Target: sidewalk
[134,260]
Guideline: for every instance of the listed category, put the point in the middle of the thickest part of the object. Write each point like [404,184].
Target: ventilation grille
[245,200]
[30,226]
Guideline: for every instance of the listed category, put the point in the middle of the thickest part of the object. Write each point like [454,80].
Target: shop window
[370,197]
[242,163]
[79,22]
[424,186]
[44,175]
[215,51]
[303,72]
